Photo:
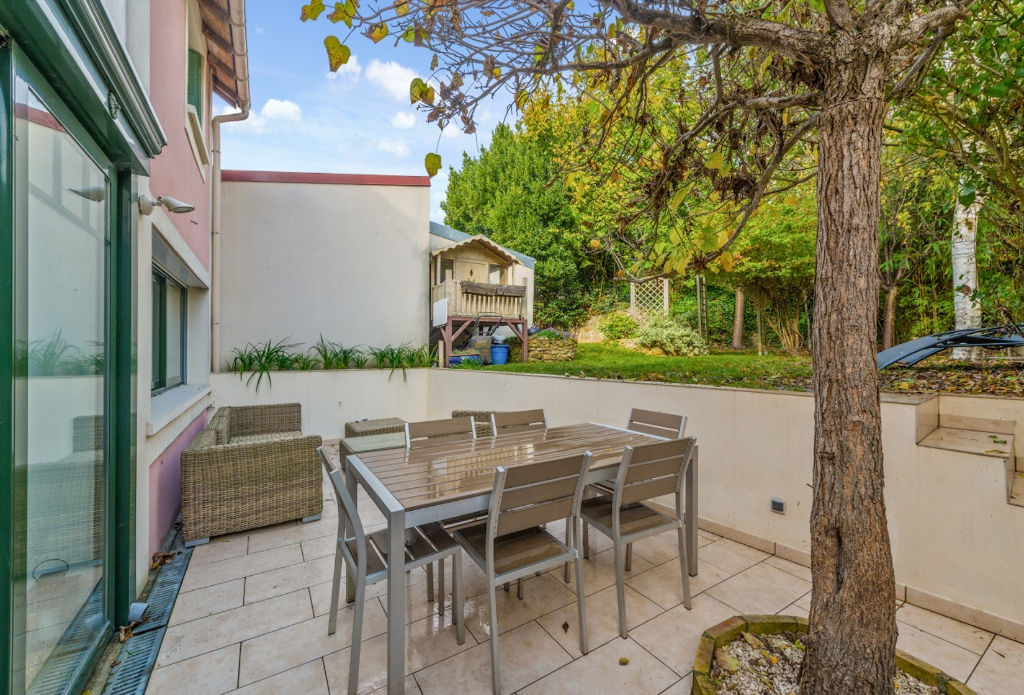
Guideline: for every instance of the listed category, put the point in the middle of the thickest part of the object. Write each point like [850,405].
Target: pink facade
[165,483]
[175,172]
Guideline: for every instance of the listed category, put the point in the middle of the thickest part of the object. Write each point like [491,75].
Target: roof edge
[244,175]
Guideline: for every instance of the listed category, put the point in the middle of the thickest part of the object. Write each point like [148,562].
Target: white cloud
[392,77]
[350,70]
[403,120]
[255,123]
[281,110]
[395,147]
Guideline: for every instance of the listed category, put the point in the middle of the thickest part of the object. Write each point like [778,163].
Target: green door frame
[120,395]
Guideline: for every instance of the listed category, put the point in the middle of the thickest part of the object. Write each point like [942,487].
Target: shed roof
[458,237]
[481,240]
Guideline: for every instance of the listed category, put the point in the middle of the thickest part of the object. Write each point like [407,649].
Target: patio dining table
[447,479]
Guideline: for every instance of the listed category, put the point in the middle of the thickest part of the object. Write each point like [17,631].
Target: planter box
[728,630]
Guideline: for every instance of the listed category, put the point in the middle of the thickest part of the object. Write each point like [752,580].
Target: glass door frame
[119,367]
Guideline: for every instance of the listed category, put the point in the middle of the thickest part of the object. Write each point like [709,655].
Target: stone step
[994,444]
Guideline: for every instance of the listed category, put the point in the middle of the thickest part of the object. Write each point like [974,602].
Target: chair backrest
[346,506]
[536,493]
[450,428]
[658,424]
[652,470]
[518,420]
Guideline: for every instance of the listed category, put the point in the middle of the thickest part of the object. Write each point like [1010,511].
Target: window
[195,83]
[447,269]
[494,274]
[169,313]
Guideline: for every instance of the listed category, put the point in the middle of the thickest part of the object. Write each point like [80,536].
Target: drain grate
[131,675]
[138,654]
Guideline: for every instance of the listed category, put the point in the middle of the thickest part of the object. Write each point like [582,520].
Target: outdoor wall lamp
[97,194]
[148,203]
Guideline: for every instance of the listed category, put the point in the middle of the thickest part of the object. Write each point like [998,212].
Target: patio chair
[659,424]
[645,472]
[512,545]
[421,433]
[518,421]
[366,556]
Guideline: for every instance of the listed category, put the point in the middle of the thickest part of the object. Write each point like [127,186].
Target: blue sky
[358,120]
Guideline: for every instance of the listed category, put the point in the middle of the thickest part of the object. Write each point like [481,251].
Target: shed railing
[474,298]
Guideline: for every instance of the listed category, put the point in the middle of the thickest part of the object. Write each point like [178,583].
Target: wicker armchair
[250,467]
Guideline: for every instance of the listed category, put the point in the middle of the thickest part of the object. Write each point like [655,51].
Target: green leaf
[417,88]
[967,195]
[764,66]
[677,198]
[999,90]
[337,53]
[312,10]
[409,36]
[432,162]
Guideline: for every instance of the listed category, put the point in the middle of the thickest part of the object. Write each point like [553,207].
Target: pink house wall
[165,483]
[175,171]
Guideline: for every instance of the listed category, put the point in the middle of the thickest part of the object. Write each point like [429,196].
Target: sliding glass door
[63,200]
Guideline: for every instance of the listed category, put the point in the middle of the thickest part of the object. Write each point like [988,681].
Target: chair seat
[422,545]
[633,518]
[515,550]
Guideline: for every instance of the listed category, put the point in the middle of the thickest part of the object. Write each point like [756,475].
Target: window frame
[159,382]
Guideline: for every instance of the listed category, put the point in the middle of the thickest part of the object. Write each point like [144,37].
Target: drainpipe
[236,17]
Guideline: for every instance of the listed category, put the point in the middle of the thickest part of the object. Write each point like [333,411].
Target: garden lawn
[779,372]
[725,368]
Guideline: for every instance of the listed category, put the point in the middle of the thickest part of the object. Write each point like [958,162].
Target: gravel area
[770,665]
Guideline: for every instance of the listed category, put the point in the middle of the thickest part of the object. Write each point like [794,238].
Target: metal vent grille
[138,654]
[131,675]
[67,655]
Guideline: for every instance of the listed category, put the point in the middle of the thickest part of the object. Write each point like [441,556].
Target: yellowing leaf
[432,162]
[378,32]
[715,161]
[312,10]
[337,53]
[416,89]
[726,261]
[433,62]
[723,237]
[677,198]
[496,72]
[791,200]
[340,15]
[401,8]
[521,98]
[764,66]
[428,95]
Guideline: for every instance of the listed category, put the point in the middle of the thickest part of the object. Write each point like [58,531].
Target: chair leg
[457,609]
[357,636]
[519,588]
[629,556]
[684,566]
[586,541]
[440,588]
[580,612]
[506,586]
[568,535]
[430,581]
[620,588]
[495,656]
[339,560]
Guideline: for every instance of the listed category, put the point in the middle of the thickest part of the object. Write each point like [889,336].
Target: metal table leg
[396,603]
[353,490]
[692,514]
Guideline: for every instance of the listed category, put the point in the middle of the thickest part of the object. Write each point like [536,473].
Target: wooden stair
[982,437]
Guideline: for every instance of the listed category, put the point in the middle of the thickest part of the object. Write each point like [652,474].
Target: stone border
[731,628]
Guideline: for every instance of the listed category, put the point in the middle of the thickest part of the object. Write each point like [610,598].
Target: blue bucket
[499,354]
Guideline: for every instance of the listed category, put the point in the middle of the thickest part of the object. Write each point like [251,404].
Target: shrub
[616,326]
[672,338]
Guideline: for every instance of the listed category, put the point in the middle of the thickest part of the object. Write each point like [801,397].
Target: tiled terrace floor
[251,618]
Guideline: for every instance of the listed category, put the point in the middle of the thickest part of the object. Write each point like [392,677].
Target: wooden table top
[451,470]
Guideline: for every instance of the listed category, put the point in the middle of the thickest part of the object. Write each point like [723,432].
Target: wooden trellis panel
[648,297]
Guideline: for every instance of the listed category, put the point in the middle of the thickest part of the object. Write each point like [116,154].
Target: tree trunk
[852,638]
[737,321]
[889,319]
[966,308]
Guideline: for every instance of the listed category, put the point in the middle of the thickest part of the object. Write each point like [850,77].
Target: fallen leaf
[623,661]
[565,627]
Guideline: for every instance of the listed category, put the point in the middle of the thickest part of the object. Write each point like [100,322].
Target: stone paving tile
[307,679]
[1000,671]
[602,671]
[527,654]
[427,643]
[212,673]
[683,686]
[673,635]
[961,634]
[760,589]
[731,556]
[288,647]
[198,576]
[790,567]
[260,587]
[236,625]
[956,661]
[602,610]
[599,572]
[664,583]
[292,532]
[222,548]
[207,601]
[542,595]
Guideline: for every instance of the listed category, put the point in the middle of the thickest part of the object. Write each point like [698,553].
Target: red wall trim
[315,177]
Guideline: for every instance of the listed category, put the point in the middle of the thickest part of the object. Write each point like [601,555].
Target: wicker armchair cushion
[260,419]
[267,437]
